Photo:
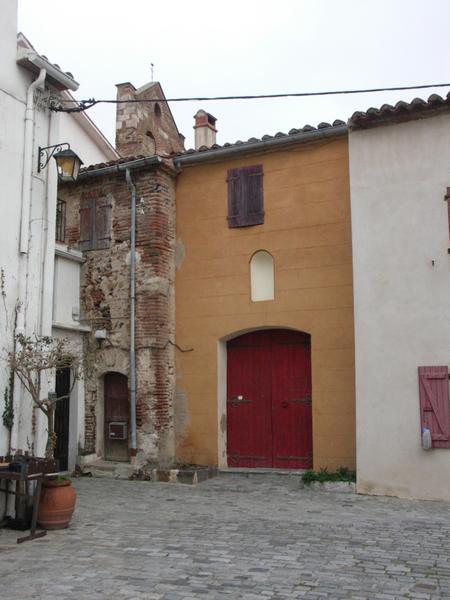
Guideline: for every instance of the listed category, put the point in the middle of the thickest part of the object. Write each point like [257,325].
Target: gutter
[34,61]
[150,161]
[261,146]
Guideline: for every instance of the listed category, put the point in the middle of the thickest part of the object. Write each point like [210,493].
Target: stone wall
[145,128]
[105,304]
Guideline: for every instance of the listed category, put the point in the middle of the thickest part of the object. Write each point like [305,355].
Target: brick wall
[105,302]
[147,128]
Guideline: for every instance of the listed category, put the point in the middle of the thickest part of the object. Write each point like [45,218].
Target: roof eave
[215,155]
[35,62]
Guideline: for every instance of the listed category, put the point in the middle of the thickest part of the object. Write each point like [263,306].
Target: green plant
[60,479]
[342,474]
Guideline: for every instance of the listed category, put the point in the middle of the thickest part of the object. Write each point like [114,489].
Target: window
[60,231]
[95,222]
[245,196]
[262,276]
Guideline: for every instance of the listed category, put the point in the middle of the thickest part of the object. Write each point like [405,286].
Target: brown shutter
[253,194]
[245,196]
[102,223]
[86,223]
[435,404]
[234,197]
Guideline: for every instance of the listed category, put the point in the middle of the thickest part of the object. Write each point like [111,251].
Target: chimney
[205,129]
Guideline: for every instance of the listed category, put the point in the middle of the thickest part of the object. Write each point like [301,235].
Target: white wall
[399,175]
[85,139]
[38,263]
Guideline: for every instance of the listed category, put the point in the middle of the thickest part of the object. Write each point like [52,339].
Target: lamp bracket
[46,152]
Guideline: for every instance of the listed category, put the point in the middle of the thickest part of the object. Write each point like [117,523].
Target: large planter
[57,504]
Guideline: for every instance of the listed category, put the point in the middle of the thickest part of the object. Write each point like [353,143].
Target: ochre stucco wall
[307,230]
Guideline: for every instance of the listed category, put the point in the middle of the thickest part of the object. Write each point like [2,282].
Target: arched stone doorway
[269,411]
[116,416]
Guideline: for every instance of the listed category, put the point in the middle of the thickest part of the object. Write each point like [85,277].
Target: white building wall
[37,265]
[399,174]
[87,141]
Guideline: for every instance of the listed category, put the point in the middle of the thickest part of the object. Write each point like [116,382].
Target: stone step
[255,472]
[112,469]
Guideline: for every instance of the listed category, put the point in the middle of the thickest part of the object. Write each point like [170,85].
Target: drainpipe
[28,160]
[26,195]
[133,449]
[24,232]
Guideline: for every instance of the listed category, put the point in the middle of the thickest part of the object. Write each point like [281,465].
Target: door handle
[284,404]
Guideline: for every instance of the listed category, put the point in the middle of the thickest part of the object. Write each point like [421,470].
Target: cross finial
[151,69]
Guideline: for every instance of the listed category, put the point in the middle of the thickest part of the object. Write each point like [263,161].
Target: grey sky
[237,47]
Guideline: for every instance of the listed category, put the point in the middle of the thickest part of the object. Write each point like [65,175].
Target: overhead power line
[86,104]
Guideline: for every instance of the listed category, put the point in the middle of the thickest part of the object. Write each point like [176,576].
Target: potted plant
[33,358]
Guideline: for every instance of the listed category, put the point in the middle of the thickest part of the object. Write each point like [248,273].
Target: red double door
[269,416]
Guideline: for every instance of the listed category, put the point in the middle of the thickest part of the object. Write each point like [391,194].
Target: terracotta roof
[265,138]
[112,163]
[402,111]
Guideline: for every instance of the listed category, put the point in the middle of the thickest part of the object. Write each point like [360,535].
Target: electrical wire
[86,104]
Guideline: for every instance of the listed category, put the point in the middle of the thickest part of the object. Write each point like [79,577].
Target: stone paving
[233,538]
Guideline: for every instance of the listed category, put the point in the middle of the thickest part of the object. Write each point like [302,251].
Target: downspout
[133,448]
[24,234]
[26,194]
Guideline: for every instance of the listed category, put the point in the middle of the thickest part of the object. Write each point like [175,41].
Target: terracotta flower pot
[56,505]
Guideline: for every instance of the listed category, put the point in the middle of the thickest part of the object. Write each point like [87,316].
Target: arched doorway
[269,412]
[117,416]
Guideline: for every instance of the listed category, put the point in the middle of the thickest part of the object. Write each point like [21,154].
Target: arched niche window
[262,276]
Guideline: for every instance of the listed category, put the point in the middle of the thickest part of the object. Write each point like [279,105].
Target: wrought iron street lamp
[68,163]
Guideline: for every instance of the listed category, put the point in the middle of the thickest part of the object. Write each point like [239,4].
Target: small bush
[342,474]
[60,479]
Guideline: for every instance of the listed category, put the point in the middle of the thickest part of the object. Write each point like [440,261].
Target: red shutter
[86,223]
[102,223]
[435,404]
[234,197]
[252,184]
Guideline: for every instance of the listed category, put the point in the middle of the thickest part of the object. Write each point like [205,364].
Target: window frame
[60,220]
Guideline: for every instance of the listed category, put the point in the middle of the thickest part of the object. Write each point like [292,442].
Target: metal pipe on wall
[133,449]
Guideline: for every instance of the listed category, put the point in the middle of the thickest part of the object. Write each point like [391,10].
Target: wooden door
[62,417]
[117,417]
[249,423]
[269,416]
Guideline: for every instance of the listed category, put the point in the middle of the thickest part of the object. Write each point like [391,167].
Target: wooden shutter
[435,404]
[102,223]
[245,196]
[235,207]
[86,223]
[252,183]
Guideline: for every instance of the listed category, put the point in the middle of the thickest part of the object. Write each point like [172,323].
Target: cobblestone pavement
[232,537]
